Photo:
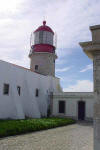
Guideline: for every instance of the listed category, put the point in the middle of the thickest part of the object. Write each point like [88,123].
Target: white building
[32,92]
[76,105]
[24,93]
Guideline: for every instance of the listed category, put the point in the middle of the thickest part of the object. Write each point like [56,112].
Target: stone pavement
[73,137]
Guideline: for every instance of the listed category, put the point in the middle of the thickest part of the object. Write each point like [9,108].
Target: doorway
[61,106]
[81,110]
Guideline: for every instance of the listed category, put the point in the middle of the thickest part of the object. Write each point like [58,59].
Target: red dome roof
[44,28]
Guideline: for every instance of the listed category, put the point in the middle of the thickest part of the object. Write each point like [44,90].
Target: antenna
[44,18]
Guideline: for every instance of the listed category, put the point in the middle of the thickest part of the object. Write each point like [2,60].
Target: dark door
[81,110]
[61,106]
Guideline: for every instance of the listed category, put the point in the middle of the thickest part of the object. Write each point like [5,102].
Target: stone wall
[92,50]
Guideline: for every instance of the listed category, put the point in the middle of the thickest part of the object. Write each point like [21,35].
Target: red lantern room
[43,39]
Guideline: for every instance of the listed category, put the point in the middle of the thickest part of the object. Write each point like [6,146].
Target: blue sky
[70,19]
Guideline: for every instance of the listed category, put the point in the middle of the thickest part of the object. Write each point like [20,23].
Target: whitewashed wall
[27,104]
[71,104]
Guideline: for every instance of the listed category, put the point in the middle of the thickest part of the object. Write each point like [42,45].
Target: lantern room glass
[43,37]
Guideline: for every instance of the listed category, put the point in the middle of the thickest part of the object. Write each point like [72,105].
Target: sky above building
[70,19]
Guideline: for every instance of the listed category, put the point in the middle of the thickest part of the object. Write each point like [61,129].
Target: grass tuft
[14,127]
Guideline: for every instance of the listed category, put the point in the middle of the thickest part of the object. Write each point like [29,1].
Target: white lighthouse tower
[42,54]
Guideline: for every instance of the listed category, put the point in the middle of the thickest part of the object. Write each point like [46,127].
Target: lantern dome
[44,27]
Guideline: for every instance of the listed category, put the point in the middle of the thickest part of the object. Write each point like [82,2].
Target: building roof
[21,67]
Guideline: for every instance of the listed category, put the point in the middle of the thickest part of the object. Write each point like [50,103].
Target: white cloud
[88,67]
[60,61]
[80,86]
[63,69]
[11,5]
[70,19]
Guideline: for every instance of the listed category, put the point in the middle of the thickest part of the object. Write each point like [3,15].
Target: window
[61,106]
[6,89]
[36,67]
[19,90]
[41,37]
[44,37]
[36,38]
[37,93]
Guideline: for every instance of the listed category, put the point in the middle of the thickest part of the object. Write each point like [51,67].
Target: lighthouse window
[44,37]
[6,89]
[37,93]
[36,38]
[36,67]
[41,37]
[49,39]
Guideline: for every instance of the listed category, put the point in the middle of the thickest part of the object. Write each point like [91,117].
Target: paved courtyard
[74,137]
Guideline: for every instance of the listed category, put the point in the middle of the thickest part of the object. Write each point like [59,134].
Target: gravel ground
[73,137]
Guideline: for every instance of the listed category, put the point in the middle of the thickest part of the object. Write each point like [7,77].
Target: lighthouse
[42,50]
